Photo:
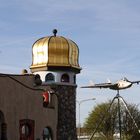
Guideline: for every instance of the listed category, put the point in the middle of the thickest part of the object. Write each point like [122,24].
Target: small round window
[65,78]
[49,77]
[47,135]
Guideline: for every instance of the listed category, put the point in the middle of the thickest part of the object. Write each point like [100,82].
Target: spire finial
[54,32]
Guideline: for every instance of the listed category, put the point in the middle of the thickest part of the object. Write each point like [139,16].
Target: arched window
[26,129]
[65,78]
[47,134]
[49,77]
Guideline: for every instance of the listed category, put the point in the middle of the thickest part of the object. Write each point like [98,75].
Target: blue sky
[106,31]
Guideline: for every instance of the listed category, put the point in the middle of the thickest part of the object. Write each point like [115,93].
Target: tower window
[65,78]
[49,77]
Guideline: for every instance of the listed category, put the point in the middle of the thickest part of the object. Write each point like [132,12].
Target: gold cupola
[55,53]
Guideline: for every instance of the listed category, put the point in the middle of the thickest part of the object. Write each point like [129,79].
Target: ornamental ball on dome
[55,53]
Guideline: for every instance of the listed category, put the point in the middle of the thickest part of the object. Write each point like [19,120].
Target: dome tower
[56,60]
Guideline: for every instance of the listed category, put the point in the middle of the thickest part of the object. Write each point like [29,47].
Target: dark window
[74,78]
[26,129]
[47,134]
[38,80]
[49,77]
[3,127]
[65,78]
[3,131]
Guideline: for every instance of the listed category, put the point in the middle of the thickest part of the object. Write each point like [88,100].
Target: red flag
[46,98]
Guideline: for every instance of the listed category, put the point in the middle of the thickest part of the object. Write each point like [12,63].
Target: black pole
[102,119]
[127,109]
[119,115]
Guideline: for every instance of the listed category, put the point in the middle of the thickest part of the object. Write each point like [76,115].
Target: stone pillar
[66,127]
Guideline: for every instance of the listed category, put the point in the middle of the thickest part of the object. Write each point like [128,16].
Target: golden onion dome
[55,53]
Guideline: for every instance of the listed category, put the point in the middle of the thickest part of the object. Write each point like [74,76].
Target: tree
[108,122]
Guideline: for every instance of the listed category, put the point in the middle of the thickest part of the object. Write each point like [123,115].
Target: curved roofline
[10,74]
[54,36]
[72,62]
